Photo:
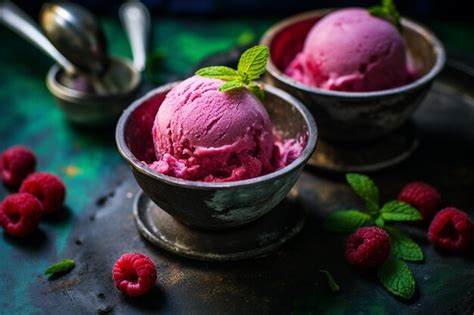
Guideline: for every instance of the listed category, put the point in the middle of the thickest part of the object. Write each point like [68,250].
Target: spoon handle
[135,18]
[21,23]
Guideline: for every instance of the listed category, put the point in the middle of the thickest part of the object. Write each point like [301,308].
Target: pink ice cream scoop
[203,134]
[351,50]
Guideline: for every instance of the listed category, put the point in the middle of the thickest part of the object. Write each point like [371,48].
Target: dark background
[420,9]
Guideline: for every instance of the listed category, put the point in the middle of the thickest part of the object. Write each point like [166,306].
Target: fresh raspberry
[48,188]
[15,164]
[367,248]
[20,214]
[422,196]
[451,229]
[134,274]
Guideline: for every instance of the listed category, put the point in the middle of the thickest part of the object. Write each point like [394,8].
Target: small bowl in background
[350,117]
[89,109]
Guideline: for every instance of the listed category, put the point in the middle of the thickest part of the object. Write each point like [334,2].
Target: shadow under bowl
[214,206]
[354,116]
[89,109]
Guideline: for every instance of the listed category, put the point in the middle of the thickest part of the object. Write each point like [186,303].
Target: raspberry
[367,248]
[422,196]
[20,214]
[451,229]
[15,164]
[134,274]
[48,188]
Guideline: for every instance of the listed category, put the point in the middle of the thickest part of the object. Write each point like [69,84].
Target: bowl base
[383,153]
[258,238]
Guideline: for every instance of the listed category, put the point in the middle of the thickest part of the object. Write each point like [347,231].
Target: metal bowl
[214,206]
[90,109]
[354,116]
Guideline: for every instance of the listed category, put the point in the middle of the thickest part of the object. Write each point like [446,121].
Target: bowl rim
[63,92]
[170,180]
[438,49]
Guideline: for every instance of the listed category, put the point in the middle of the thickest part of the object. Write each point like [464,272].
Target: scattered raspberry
[134,274]
[451,229]
[48,188]
[422,196]
[15,164]
[20,214]
[367,248]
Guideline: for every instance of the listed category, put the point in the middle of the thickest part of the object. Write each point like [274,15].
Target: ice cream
[351,50]
[201,133]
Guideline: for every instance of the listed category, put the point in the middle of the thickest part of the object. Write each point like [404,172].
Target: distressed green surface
[29,116]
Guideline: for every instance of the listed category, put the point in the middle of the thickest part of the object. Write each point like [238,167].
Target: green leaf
[257,90]
[253,62]
[219,72]
[380,222]
[331,282]
[399,211]
[60,268]
[366,189]
[397,278]
[230,86]
[346,221]
[389,12]
[403,246]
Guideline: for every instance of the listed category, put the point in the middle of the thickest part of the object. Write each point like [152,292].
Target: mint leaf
[257,90]
[60,268]
[219,72]
[366,189]
[397,278]
[399,211]
[389,12]
[346,221]
[331,282]
[253,62]
[230,86]
[380,222]
[402,246]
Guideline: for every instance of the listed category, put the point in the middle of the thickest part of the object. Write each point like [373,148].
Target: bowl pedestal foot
[258,238]
[366,157]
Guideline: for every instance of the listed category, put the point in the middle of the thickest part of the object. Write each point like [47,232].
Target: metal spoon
[135,18]
[75,32]
[25,26]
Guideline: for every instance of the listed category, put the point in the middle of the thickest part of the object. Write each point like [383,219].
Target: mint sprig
[397,278]
[395,275]
[389,12]
[60,268]
[252,64]
[403,246]
[333,286]
[366,189]
[347,221]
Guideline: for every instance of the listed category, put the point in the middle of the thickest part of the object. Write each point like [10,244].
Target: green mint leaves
[347,221]
[399,211]
[403,247]
[397,278]
[387,11]
[251,66]
[60,268]
[333,286]
[366,189]
[395,275]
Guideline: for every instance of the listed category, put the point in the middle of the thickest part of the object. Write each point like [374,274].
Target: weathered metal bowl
[90,109]
[354,116]
[214,206]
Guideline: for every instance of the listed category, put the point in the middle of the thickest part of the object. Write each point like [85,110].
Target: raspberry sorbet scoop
[203,134]
[351,50]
